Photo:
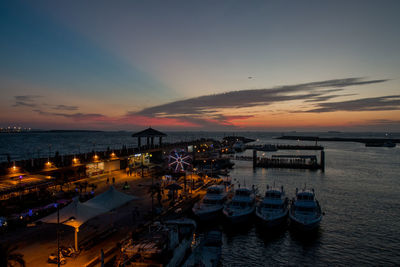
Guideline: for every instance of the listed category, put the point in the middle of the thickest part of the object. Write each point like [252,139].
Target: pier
[270,147]
[309,162]
[340,139]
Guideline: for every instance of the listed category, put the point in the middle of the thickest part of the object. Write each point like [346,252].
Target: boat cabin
[242,192]
[306,195]
[273,193]
[241,204]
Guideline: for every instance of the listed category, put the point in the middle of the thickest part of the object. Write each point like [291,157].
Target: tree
[8,256]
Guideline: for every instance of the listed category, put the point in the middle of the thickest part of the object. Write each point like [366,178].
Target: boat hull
[236,219]
[305,227]
[271,223]
[206,216]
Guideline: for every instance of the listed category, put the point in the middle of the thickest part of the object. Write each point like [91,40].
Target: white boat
[210,207]
[273,209]
[305,212]
[241,207]
[165,244]
[208,252]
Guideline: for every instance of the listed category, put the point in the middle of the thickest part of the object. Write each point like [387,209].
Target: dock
[309,162]
[271,148]
[339,139]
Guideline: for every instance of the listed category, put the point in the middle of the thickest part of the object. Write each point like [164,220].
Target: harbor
[114,229]
[190,168]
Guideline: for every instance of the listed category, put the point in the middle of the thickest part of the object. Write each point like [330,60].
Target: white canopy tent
[76,213]
[110,199]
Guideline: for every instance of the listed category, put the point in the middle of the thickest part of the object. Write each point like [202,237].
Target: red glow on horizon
[146,121]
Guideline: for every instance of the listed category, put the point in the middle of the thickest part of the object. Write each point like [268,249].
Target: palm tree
[8,256]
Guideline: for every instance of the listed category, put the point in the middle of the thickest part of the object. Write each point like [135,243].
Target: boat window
[305,209]
[305,197]
[272,206]
[272,195]
[242,193]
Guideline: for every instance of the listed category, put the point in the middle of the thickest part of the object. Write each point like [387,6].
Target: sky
[201,65]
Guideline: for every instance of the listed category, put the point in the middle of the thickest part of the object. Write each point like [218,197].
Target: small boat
[210,207]
[305,212]
[241,207]
[273,209]
[166,244]
[208,252]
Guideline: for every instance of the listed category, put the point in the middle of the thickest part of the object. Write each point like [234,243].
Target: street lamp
[58,232]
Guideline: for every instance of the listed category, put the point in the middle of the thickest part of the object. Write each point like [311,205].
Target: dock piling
[254,158]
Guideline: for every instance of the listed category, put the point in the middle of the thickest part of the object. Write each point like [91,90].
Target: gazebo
[149,134]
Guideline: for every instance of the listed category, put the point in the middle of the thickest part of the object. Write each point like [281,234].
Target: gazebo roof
[149,132]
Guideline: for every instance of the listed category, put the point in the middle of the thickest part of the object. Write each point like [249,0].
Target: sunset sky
[200,65]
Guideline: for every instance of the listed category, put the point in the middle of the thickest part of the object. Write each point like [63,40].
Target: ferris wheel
[179,160]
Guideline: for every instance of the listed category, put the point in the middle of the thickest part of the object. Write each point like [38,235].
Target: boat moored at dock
[241,207]
[210,207]
[305,212]
[273,209]
[208,252]
[166,244]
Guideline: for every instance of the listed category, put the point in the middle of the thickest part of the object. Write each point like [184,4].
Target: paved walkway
[36,243]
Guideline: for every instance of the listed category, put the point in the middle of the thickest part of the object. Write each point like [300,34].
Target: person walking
[113,180]
[108,180]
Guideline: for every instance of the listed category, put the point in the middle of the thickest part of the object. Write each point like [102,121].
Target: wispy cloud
[364,104]
[65,107]
[255,97]
[232,109]
[384,121]
[203,110]
[25,100]
[31,101]
[74,116]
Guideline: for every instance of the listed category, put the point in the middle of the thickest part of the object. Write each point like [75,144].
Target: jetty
[339,139]
[309,162]
[270,147]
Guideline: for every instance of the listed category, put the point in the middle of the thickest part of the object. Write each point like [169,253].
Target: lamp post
[58,233]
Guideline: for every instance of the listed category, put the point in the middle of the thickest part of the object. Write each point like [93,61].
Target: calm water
[359,192]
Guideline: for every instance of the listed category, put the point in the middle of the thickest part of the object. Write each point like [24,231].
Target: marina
[241,174]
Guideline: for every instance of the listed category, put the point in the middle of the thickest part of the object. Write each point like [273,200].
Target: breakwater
[339,139]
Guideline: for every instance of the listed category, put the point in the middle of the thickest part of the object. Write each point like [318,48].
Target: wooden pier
[309,162]
[272,148]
